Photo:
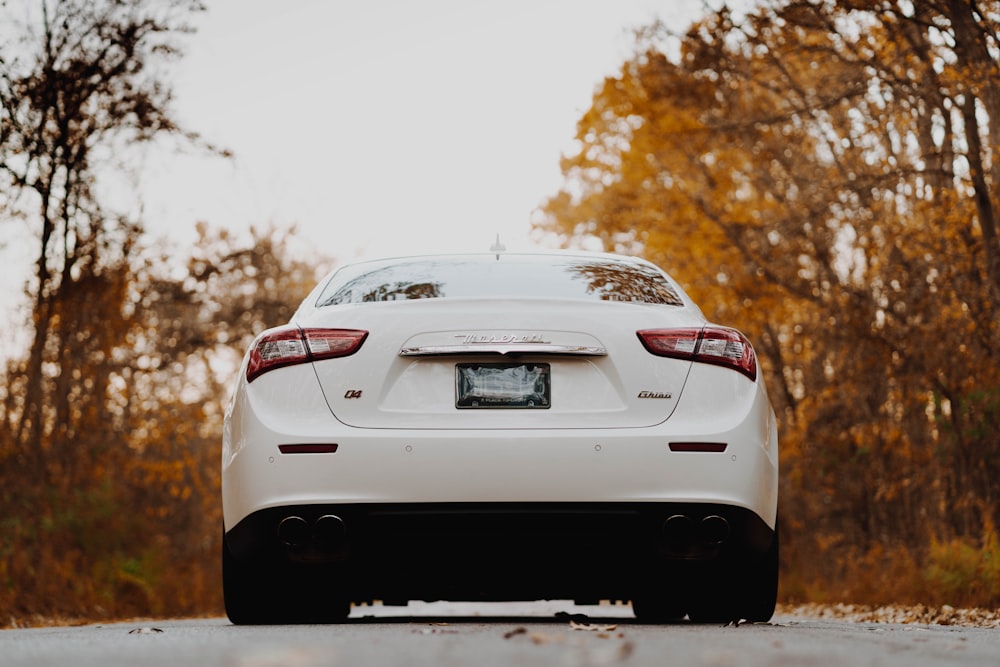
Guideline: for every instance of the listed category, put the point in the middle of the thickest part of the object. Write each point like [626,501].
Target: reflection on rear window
[507,276]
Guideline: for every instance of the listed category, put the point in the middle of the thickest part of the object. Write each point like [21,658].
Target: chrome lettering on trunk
[502,339]
[655,394]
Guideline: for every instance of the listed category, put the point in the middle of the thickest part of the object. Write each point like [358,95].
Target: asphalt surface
[549,633]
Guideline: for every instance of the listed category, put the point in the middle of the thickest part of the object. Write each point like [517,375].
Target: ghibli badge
[655,394]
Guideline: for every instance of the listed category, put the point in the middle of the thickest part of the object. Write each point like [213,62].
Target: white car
[500,426]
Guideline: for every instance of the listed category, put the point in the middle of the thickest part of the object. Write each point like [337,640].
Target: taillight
[711,345]
[291,345]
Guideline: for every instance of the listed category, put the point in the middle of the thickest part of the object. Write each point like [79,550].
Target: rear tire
[747,593]
[269,592]
[760,593]
[656,608]
[245,590]
[716,603]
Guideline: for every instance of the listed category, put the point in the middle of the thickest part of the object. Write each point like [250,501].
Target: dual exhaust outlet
[327,533]
[682,532]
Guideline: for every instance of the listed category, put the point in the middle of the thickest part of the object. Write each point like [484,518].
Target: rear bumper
[504,551]
[607,467]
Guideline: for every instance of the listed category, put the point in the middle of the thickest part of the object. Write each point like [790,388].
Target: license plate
[480,386]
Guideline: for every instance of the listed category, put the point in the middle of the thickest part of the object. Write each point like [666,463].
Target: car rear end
[495,444]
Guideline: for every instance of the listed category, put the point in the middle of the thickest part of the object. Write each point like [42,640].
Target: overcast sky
[378,127]
[381,127]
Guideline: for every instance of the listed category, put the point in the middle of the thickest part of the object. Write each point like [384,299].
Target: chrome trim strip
[507,348]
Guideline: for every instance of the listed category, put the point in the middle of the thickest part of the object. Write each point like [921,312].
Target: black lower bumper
[501,551]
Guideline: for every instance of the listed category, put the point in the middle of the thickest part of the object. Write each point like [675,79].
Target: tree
[825,175]
[110,480]
[126,518]
[79,86]
[79,83]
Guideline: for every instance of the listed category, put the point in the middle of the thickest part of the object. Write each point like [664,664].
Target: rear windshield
[515,276]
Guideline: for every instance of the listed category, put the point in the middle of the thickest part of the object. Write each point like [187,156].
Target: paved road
[524,635]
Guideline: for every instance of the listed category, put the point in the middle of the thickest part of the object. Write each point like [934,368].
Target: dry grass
[943,615]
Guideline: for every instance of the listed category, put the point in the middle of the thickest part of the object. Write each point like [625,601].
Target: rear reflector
[698,446]
[289,345]
[719,346]
[311,448]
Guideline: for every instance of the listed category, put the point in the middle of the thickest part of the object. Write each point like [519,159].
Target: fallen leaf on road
[436,631]
[591,627]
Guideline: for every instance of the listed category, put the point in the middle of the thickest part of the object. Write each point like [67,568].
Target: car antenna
[498,247]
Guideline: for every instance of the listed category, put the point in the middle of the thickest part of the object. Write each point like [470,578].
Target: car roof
[496,255]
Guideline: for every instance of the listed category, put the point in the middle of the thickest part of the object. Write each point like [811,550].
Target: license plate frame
[503,386]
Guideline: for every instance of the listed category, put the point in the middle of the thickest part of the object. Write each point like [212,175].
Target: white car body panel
[516,464]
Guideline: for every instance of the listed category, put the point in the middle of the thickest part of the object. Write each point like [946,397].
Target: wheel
[760,591]
[265,592]
[245,590]
[747,593]
[657,608]
[715,604]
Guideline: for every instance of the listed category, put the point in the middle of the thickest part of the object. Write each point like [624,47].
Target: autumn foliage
[827,177]
[114,511]
[111,419]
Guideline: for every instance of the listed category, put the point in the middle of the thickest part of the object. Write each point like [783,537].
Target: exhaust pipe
[294,531]
[714,529]
[679,530]
[684,534]
[330,532]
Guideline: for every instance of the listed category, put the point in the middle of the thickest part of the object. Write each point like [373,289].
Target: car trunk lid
[543,364]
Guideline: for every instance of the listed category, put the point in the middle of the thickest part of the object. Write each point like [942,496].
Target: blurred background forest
[822,174]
